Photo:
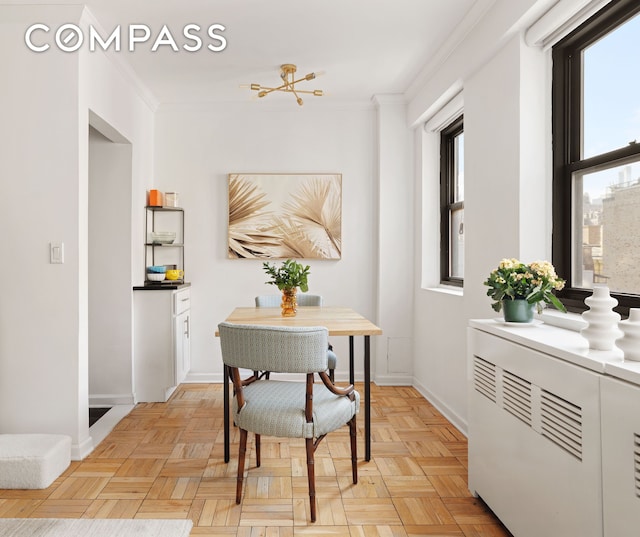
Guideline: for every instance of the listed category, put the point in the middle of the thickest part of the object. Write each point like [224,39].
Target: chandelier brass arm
[287,74]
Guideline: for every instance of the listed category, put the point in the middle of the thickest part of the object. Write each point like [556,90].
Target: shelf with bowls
[164,246]
[161,237]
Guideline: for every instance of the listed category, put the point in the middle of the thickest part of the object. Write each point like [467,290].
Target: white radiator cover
[548,416]
[534,438]
[621,457]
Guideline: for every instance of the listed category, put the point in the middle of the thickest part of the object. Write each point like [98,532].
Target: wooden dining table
[339,321]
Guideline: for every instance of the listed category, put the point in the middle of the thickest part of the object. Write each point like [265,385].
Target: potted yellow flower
[517,287]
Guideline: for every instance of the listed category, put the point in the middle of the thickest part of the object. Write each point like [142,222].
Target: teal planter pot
[517,311]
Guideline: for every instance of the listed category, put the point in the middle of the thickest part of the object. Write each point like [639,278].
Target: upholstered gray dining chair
[290,409]
[303,299]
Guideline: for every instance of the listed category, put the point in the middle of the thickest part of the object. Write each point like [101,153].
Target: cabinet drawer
[181,301]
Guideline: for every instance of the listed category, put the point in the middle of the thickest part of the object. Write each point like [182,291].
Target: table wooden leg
[367,398]
[225,382]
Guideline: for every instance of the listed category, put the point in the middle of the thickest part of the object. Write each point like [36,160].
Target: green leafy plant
[534,282]
[288,276]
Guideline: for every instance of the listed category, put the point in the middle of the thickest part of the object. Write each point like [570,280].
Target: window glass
[457,244]
[611,89]
[458,144]
[606,236]
[457,215]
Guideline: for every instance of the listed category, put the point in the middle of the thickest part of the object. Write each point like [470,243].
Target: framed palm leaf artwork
[282,216]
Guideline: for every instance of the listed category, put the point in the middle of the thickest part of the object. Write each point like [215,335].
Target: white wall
[197,146]
[39,312]
[507,182]
[394,356]
[44,142]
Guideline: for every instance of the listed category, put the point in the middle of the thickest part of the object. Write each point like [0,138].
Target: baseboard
[101,428]
[445,410]
[80,451]
[203,378]
[394,380]
[99,431]
[110,399]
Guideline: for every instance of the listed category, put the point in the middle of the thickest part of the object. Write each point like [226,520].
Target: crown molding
[389,98]
[325,104]
[475,14]
[121,65]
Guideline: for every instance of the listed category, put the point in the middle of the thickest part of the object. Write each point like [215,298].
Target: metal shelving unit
[171,218]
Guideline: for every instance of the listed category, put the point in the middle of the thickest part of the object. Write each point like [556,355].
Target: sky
[612,99]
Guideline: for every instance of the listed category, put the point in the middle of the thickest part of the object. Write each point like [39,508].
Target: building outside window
[596,133]
[452,204]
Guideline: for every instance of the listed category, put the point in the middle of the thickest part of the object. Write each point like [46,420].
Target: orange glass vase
[289,305]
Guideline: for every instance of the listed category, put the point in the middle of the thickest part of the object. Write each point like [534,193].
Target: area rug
[65,527]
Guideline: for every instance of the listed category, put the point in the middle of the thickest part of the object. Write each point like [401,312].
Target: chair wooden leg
[258,450]
[354,450]
[311,474]
[241,457]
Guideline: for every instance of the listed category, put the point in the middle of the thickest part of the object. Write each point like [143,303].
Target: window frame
[447,193]
[567,132]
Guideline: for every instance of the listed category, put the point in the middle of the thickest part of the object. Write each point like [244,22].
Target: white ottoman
[32,461]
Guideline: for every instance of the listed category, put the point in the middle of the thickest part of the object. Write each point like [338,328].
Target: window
[596,156]
[452,204]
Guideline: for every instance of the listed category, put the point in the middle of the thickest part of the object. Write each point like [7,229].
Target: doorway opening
[110,286]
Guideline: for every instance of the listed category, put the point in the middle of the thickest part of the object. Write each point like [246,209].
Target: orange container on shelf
[155,198]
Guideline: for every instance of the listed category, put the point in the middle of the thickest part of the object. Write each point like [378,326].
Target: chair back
[273,301]
[274,348]
[305,299]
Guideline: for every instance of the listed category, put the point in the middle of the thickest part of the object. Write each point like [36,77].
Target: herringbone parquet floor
[166,460]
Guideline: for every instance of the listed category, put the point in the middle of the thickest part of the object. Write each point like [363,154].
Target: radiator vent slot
[484,378]
[636,461]
[516,396]
[561,422]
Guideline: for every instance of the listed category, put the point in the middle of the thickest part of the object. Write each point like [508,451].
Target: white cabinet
[620,456]
[162,352]
[181,331]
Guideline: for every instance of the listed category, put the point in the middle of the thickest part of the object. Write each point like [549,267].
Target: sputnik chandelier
[288,77]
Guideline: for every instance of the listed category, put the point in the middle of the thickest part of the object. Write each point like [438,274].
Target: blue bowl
[157,269]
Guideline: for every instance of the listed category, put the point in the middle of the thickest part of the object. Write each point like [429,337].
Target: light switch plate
[56,252]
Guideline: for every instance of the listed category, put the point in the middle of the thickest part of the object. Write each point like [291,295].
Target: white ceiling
[362,47]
